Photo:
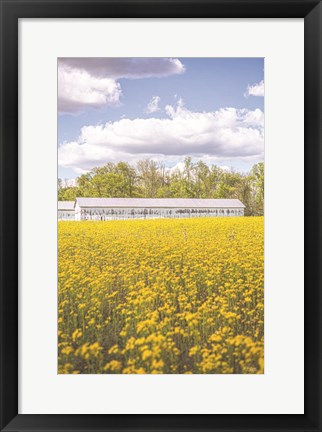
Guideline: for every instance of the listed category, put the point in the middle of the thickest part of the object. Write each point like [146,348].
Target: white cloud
[178,167]
[255,89]
[172,111]
[133,68]
[77,89]
[68,183]
[225,168]
[153,105]
[93,82]
[221,135]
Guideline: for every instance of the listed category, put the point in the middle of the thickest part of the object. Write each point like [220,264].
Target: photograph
[160,215]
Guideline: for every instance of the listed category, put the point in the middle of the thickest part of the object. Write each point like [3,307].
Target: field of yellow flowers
[175,296]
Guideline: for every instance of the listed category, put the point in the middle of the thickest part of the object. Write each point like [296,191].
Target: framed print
[160,216]
[160,207]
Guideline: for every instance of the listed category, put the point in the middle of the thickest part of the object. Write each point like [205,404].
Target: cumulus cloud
[77,90]
[133,68]
[93,82]
[178,167]
[224,134]
[255,89]
[153,105]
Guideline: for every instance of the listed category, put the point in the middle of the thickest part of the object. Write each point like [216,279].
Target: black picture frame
[11,11]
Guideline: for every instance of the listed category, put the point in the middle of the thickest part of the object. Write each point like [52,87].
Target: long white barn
[154,208]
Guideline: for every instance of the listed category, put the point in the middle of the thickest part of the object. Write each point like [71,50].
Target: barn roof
[66,205]
[158,202]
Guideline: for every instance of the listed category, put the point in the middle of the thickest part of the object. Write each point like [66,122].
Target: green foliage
[68,193]
[150,179]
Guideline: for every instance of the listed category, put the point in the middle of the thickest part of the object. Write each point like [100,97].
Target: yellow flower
[76,334]
[139,297]
[146,354]
[113,366]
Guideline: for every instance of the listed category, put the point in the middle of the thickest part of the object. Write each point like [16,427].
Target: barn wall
[66,215]
[153,213]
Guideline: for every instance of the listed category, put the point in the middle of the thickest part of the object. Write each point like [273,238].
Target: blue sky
[165,109]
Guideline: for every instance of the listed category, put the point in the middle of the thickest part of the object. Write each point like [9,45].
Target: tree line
[150,179]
